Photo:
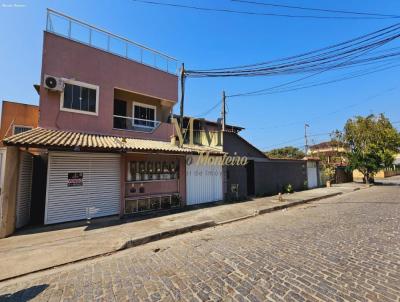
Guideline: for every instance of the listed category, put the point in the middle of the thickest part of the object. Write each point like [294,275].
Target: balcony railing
[134,124]
[82,32]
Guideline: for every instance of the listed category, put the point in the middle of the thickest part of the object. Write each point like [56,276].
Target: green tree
[286,152]
[372,143]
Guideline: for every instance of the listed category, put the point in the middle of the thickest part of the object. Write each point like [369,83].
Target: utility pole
[305,138]
[182,78]
[223,111]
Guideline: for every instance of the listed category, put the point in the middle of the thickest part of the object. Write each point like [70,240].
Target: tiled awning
[47,138]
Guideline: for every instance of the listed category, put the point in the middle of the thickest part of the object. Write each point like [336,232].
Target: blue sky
[213,39]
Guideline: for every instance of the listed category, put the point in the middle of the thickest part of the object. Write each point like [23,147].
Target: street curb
[277,208]
[167,234]
[126,245]
[182,230]
[237,219]
[296,203]
[211,223]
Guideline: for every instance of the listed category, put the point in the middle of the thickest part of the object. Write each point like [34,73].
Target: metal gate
[23,206]
[312,174]
[82,185]
[203,183]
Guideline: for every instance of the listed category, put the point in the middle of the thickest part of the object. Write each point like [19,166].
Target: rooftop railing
[82,32]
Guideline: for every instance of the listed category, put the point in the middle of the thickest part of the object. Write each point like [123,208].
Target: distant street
[345,248]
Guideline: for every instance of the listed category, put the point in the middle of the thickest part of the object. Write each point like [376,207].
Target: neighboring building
[263,175]
[104,134]
[332,153]
[17,118]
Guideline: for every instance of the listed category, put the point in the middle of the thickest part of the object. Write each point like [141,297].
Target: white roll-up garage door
[82,185]
[203,183]
[24,189]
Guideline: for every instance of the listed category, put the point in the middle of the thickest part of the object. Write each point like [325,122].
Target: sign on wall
[75,179]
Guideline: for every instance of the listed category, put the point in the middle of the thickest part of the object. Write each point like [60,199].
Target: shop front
[153,182]
[82,185]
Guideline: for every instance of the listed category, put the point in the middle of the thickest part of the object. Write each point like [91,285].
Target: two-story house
[105,128]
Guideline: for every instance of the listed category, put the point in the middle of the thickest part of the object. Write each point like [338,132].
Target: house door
[312,174]
[119,110]
[24,189]
[250,178]
[38,200]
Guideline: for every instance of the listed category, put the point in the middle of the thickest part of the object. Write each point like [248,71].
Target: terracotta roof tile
[47,138]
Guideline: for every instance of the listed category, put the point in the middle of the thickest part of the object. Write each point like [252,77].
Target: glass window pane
[79,98]
[85,99]
[151,114]
[67,96]
[92,100]
[137,112]
[76,96]
[18,129]
[144,116]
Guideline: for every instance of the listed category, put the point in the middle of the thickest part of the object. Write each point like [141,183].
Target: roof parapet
[82,32]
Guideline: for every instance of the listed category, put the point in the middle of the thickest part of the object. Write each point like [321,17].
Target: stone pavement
[47,247]
[344,248]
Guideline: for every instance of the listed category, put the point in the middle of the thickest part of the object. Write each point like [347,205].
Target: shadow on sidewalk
[110,221]
[387,184]
[26,294]
[161,213]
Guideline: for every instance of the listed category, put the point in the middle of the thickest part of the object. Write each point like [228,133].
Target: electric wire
[315,9]
[307,62]
[338,110]
[242,12]
[311,85]
[300,79]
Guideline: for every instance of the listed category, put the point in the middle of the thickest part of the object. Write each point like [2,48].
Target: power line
[232,11]
[272,90]
[205,113]
[312,60]
[320,116]
[350,76]
[311,85]
[316,51]
[297,139]
[297,80]
[316,9]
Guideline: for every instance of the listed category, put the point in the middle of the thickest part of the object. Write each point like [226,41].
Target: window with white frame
[144,115]
[80,97]
[19,129]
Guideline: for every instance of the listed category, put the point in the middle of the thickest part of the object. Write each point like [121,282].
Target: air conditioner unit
[53,83]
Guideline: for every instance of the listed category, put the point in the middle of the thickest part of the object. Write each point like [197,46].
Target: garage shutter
[24,189]
[99,194]
[203,183]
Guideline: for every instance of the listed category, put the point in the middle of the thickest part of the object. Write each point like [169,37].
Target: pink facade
[116,78]
[65,58]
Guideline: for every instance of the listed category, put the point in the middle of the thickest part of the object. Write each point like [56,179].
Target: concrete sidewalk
[47,247]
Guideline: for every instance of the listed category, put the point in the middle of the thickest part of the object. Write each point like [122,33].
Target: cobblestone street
[345,248]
